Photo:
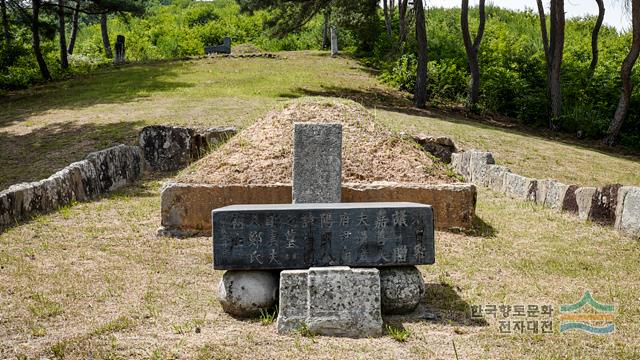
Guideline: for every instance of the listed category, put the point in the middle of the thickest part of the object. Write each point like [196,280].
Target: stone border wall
[613,205]
[186,208]
[161,148]
[100,172]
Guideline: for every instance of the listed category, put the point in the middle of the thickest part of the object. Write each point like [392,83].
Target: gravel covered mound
[262,153]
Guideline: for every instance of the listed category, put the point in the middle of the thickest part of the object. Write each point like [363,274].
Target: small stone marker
[120,50]
[295,236]
[334,41]
[317,163]
[225,48]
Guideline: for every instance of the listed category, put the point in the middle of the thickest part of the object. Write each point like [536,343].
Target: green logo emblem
[574,316]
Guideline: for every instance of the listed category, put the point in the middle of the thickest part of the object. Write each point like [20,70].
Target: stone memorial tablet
[297,236]
[317,163]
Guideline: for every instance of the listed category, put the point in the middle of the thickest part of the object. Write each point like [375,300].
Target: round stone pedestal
[244,293]
[401,288]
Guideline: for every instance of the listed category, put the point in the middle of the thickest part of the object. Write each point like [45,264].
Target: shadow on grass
[440,304]
[479,228]
[40,153]
[399,102]
[105,86]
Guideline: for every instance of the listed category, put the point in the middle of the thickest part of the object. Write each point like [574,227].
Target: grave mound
[262,153]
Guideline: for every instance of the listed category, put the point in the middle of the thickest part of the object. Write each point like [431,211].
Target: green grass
[50,126]
[93,280]
[398,334]
[267,317]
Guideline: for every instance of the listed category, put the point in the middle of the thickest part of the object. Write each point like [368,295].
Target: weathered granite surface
[186,208]
[628,211]
[245,293]
[479,162]
[551,193]
[169,148]
[439,146]
[344,302]
[495,177]
[166,148]
[117,166]
[317,163]
[584,199]
[603,207]
[292,307]
[520,187]
[402,288]
[338,301]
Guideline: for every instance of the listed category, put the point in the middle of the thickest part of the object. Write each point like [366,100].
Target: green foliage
[398,334]
[267,317]
[513,71]
[167,30]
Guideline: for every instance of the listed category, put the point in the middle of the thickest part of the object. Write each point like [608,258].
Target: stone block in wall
[166,148]
[551,193]
[460,162]
[520,187]
[84,180]
[169,148]
[439,146]
[8,208]
[569,203]
[496,175]
[117,166]
[185,209]
[628,211]
[584,199]
[603,207]
[479,163]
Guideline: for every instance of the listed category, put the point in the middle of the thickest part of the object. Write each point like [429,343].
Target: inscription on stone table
[292,236]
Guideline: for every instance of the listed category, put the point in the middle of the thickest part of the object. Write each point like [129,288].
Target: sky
[614,14]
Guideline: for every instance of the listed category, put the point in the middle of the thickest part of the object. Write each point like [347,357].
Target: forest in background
[511,55]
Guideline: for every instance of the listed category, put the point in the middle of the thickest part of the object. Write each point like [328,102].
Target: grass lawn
[92,281]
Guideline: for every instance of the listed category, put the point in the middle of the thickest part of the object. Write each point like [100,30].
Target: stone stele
[317,163]
[296,236]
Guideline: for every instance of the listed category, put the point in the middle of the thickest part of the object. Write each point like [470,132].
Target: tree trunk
[472,49]
[556,48]
[35,32]
[594,38]
[543,32]
[553,49]
[74,27]
[625,72]
[64,62]
[420,96]
[402,23]
[326,30]
[105,36]
[5,22]
[387,19]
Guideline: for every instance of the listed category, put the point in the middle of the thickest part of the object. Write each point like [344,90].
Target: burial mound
[262,153]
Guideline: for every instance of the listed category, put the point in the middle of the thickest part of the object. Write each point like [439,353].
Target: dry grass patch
[95,282]
[262,153]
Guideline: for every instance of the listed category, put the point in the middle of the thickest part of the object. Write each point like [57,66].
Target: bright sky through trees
[615,15]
